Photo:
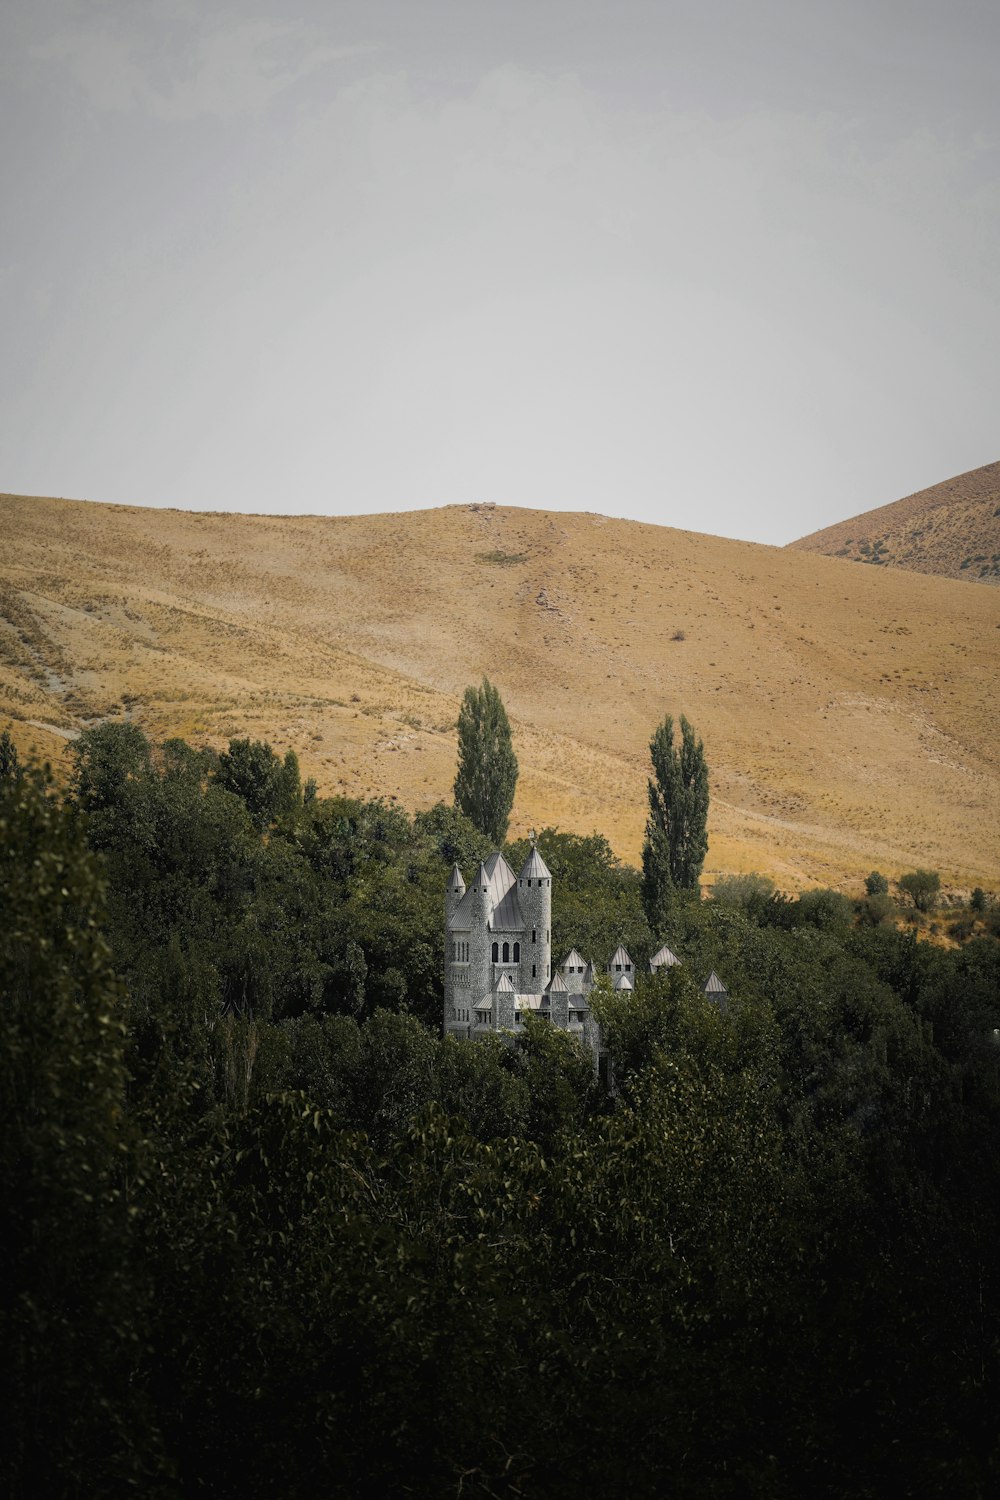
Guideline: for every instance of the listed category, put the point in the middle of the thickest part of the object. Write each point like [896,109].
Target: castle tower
[480,910]
[454,945]
[534,895]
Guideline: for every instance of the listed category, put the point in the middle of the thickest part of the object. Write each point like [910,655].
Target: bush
[921,886]
[977,901]
[876,884]
[876,910]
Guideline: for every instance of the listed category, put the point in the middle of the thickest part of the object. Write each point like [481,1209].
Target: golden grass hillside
[850,715]
[951,530]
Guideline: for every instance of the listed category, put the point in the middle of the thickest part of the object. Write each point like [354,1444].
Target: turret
[454,893]
[558,1000]
[457,1013]
[534,895]
[713,989]
[480,978]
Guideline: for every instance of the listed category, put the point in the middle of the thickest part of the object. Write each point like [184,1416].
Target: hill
[849,715]
[951,529]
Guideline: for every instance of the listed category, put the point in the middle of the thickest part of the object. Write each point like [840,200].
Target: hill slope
[951,529]
[850,716]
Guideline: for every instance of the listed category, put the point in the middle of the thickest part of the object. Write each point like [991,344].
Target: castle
[498,957]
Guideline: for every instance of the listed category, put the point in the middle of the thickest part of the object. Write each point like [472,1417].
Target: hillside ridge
[951,529]
[848,714]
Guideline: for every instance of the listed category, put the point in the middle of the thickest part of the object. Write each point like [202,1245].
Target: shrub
[921,886]
[876,884]
[977,901]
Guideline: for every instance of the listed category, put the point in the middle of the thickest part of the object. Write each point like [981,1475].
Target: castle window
[618,968]
[532,934]
[517,953]
[532,971]
[496,952]
[506,953]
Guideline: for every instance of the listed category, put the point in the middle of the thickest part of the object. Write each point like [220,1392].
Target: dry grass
[952,530]
[849,714]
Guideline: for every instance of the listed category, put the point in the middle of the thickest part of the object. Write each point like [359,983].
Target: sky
[730,265]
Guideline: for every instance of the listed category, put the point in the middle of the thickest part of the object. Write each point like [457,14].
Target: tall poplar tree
[487,765]
[676,838]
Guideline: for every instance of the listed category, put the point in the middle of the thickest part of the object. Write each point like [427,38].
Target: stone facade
[498,957]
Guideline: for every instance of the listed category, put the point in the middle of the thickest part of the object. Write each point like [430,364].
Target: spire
[714,990]
[534,867]
[456,883]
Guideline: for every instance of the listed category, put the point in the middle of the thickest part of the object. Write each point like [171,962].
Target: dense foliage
[264,1233]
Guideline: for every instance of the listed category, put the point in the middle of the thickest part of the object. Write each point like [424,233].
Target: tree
[10,766]
[921,886]
[487,765]
[271,788]
[676,838]
[876,884]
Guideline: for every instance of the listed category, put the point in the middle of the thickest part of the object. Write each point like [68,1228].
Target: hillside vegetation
[849,714]
[951,529]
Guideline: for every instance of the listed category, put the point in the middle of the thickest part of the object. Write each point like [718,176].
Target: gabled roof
[714,986]
[573,960]
[557,983]
[499,880]
[623,982]
[663,960]
[507,914]
[505,985]
[534,867]
[621,956]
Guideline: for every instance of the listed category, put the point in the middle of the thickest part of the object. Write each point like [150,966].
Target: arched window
[517,953]
[496,952]
[506,953]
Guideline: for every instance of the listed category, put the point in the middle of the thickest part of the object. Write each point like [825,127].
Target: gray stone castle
[498,957]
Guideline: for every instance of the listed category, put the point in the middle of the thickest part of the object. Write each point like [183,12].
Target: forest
[265,1233]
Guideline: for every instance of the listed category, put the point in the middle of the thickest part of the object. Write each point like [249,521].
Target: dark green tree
[876,884]
[487,765]
[676,838]
[270,787]
[10,766]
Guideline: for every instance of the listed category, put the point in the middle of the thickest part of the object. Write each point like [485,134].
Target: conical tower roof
[620,956]
[456,881]
[534,867]
[665,959]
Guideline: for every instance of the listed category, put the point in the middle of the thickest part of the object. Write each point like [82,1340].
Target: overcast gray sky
[732,265]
